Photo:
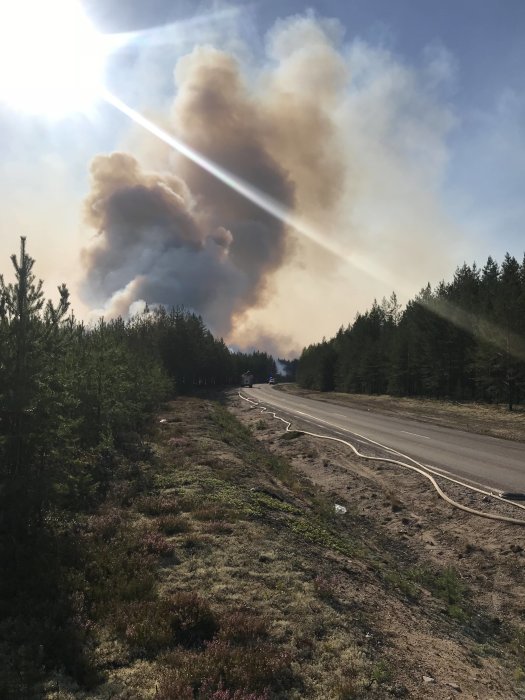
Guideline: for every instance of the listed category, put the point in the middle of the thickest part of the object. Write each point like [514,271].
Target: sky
[385,140]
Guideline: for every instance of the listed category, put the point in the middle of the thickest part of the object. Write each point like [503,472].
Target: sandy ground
[421,529]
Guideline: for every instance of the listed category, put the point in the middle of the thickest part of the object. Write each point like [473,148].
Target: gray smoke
[153,242]
[189,239]
[351,139]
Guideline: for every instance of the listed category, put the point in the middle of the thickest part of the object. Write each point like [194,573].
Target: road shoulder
[483,419]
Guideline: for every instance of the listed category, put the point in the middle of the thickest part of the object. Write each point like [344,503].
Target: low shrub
[218,527]
[194,543]
[255,669]
[144,626]
[158,505]
[403,583]
[382,672]
[324,588]
[445,585]
[174,525]
[191,619]
[243,627]
[174,689]
[150,626]
[117,571]
[156,544]
[104,526]
[213,511]
[291,435]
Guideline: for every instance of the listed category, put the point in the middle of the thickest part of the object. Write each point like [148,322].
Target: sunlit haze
[274,169]
[51,57]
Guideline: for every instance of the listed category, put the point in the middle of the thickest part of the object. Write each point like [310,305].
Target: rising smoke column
[348,137]
[152,246]
[184,237]
[190,240]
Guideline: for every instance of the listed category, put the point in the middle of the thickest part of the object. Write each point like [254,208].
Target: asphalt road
[493,462]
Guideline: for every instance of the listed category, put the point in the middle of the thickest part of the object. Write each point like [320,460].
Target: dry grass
[231,578]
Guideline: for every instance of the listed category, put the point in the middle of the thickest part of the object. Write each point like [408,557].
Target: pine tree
[34,394]
[509,310]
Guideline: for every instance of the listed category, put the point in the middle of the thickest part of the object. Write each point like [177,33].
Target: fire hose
[416,466]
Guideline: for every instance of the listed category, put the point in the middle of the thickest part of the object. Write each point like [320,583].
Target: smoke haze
[343,135]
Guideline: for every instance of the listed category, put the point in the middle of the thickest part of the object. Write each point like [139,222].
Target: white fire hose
[416,466]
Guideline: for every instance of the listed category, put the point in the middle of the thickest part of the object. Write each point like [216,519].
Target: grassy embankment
[215,571]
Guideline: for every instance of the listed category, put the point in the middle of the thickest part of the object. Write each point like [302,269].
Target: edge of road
[416,466]
[442,422]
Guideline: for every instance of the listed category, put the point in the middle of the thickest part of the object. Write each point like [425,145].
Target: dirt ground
[422,532]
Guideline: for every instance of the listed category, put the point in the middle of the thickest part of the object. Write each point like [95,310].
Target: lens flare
[262,200]
[503,339]
[51,57]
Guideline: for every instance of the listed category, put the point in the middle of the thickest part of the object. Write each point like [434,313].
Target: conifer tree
[34,394]
[462,340]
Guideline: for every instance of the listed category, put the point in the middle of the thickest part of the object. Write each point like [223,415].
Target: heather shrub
[144,626]
[156,544]
[191,618]
[222,665]
[172,689]
[173,525]
[149,626]
[212,511]
[218,527]
[243,627]
[117,571]
[158,505]
[105,525]
[324,588]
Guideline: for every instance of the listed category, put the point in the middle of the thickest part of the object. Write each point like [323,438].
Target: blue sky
[430,127]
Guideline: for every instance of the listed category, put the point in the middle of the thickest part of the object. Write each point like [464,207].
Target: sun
[51,57]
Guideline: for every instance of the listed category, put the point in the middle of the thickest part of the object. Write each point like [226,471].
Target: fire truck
[247,379]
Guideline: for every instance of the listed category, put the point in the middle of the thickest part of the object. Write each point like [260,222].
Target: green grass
[382,672]
[446,585]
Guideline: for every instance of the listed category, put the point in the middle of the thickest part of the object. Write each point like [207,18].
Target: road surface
[493,462]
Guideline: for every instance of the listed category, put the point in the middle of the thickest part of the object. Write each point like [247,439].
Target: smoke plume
[157,245]
[182,237]
[342,135]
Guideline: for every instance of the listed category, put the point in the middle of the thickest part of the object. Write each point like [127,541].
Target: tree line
[66,388]
[462,340]
[75,402]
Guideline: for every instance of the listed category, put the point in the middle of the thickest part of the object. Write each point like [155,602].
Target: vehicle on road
[247,379]
[271,380]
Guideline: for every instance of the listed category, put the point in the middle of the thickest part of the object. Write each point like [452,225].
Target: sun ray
[504,339]
[185,30]
[251,193]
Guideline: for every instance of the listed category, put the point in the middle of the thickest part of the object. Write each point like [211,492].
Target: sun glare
[51,57]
